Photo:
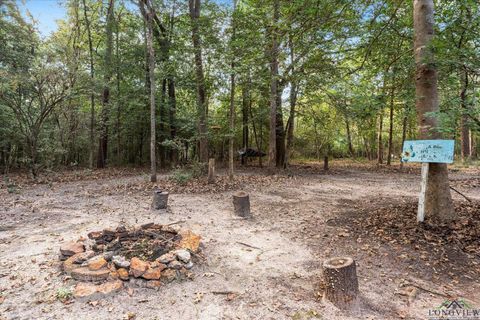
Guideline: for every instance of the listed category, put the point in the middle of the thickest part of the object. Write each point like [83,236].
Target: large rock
[166,258]
[120,262]
[152,274]
[71,248]
[190,240]
[123,273]
[85,274]
[110,286]
[97,263]
[183,255]
[169,275]
[83,289]
[138,267]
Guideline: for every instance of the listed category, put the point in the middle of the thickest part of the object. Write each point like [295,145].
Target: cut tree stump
[160,199]
[241,204]
[341,283]
[211,170]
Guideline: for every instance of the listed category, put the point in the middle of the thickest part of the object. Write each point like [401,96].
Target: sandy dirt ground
[271,262]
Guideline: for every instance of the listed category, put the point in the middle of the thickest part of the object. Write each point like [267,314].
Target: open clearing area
[266,267]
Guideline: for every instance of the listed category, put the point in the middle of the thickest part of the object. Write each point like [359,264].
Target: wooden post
[341,283]
[325,163]
[211,170]
[241,204]
[160,199]
[423,191]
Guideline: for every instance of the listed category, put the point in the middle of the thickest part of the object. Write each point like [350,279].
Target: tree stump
[160,199]
[241,204]
[341,283]
[211,170]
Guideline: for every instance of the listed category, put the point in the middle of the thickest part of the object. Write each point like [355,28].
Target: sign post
[426,152]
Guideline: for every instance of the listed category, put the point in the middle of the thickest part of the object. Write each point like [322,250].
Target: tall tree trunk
[349,137]
[245,111]
[148,16]
[438,200]
[103,139]
[379,139]
[194,6]
[272,141]
[118,99]
[390,129]
[279,130]
[92,94]
[172,103]
[465,132]
[293,103]
[404,132]
[232,98]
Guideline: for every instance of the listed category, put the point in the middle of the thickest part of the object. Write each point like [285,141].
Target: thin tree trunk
[404,133]
[194,6]
[349,137]
[279,131]
[117,66]
[245,106]
[438,200]
[390,129]
[232,99]
[172,102]
[379,139]
[103,140]
[92,94]
[465,132]
[148,16]
[293,103]
[272,151]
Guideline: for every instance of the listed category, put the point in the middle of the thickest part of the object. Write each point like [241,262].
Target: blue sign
[433,151]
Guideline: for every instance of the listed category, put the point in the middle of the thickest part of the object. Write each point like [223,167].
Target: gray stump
[341,283]
[211,170]
[241,204]
[160,199]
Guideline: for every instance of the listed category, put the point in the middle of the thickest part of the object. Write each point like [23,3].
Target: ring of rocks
[145,256]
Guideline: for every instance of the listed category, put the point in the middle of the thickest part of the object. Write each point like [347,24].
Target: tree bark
[148,16]
[245,111]
[349,137]
[293,103]
[241,204]
[202,107]
[438,200]
[211,170]
[341,283]
[232,99]
[390,129]
[465,131]
[379,139]
[272,141]
[92,94]
[103,139]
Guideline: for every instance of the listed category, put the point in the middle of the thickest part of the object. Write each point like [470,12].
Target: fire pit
[145,256]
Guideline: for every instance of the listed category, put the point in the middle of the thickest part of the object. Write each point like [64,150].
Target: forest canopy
[293,79]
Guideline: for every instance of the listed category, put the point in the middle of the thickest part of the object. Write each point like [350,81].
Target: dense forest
[123,82]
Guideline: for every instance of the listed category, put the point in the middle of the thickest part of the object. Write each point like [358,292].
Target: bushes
[187,173]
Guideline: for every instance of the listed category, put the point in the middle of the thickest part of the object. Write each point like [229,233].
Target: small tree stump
[211,170]
[341,283]
[241,204]
[160,199]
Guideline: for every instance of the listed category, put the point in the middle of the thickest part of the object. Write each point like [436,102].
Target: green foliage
[64,294]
